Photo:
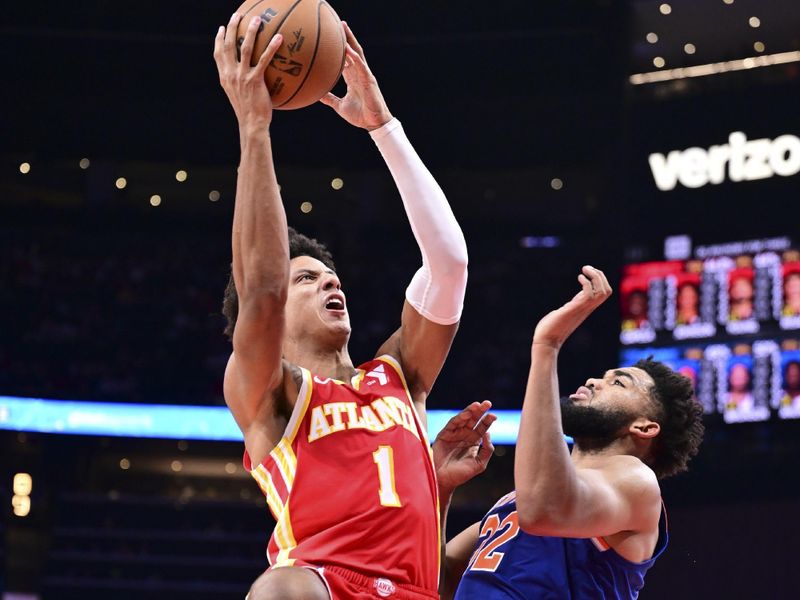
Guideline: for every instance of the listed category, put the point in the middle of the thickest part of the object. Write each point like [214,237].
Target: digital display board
[725,315]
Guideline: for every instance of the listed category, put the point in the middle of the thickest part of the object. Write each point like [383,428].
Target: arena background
[528,115]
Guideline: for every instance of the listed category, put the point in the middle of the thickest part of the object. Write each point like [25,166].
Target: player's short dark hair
[680,416]
[299,245]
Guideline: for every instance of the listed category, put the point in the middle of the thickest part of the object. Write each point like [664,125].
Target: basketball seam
[278,29]
[310,64]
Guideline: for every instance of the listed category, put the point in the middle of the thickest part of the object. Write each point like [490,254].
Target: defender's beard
[592,428]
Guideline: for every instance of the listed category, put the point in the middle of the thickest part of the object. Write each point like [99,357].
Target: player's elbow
[451,270]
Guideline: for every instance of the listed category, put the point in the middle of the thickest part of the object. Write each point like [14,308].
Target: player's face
[791,290]
[793,376]
[315,305]
[741,299]
[687,298]
[625,389]
[739,378]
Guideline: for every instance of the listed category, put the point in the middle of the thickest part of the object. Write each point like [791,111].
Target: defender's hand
[245,85]
[554,329]
[463,448]
[363,104]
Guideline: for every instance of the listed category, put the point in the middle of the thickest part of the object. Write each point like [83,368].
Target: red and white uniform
[352,483]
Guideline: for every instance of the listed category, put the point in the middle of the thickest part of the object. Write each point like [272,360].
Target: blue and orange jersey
[510,564]
[352,482]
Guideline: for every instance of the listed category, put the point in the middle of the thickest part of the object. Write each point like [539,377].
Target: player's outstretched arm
[554,498]
[260,244]
[435,297]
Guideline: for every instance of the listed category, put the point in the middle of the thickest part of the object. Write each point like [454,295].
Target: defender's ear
[645,428]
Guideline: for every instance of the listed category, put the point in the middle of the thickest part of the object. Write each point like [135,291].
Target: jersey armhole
[296,418]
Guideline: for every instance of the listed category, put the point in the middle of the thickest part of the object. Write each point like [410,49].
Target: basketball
[309,61]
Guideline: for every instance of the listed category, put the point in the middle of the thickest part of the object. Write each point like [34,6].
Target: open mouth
[335,302]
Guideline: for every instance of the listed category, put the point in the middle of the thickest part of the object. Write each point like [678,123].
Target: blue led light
[169,421]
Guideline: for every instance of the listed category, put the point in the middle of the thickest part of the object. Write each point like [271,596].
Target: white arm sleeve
[437,289]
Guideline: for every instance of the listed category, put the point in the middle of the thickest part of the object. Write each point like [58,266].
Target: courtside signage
[738,160]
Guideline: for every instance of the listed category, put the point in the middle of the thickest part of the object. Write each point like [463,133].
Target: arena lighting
[21,501]
[84,163]
[754,22]
[753,62]
[665,9]
[170,421]
[556,183]
[659,62]
[758,46]
[652,37]
[306,207]
[337,183]
[213,195]
[181,175]
[689,48]
[121,182]
[155,200]
[25,168]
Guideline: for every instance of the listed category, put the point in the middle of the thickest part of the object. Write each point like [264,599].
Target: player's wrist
[253,132]
[382,120]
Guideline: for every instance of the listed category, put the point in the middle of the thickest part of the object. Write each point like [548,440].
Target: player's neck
[320,360]
[586,454]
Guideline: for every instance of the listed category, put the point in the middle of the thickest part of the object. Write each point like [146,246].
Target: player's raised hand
[463,448]
[244,84]
[363,104]
[554,329]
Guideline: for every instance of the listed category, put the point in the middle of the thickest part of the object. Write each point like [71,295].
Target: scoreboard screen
[725,315]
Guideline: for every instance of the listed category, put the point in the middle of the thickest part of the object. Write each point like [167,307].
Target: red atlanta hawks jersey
[352,482]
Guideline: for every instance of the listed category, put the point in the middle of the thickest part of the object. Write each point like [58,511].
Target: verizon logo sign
[738,160]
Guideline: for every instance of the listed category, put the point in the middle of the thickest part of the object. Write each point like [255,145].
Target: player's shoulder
[630,474]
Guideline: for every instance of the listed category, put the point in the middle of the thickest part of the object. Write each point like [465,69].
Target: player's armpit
[457,554]
[621,495]
[421,346]
[263,419]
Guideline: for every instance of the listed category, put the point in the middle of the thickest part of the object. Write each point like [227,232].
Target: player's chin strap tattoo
[437,289]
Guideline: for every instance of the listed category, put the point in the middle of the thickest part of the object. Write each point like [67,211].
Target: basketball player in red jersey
[340,451]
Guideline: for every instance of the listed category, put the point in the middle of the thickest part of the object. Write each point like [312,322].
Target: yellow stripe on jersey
[355,382]
[424,435]
[285,538]
[286,461]
[303,399]
[264,480]
[389,360]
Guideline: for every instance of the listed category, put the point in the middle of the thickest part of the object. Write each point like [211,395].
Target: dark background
[104,297]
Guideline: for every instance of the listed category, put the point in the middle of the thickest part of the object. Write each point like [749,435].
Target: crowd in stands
[117,308]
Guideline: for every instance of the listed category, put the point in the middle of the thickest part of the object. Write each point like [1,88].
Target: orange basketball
[310,60]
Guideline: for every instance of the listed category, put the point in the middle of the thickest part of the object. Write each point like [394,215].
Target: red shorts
[344,584]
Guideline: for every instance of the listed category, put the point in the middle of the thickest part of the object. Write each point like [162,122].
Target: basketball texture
[310,60]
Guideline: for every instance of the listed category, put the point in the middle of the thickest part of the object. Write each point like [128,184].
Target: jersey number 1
[384,458]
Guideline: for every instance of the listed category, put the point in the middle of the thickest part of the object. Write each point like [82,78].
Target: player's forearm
[438,291]
[260,241]
[544,476]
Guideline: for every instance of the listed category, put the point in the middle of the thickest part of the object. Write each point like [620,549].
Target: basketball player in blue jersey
[586,525]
